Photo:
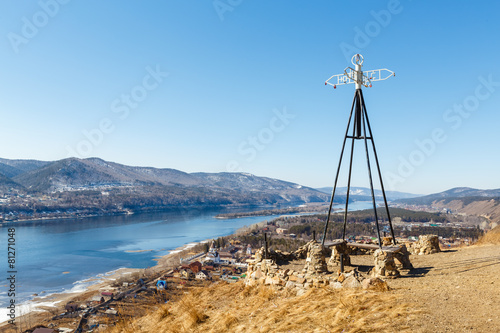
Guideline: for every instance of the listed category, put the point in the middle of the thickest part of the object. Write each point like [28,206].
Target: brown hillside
[236,308]
[491,237]
[488,208]
[455,290]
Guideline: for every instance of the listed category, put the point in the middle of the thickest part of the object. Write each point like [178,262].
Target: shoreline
[45,306]
[42,307]
[56,219]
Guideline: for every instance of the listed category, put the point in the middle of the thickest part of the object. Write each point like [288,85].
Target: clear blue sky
[239,85]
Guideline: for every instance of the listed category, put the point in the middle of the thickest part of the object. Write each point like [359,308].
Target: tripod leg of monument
[370,176]
[358,116]
[337,175]
[348,188]
[379,173]
[357,102]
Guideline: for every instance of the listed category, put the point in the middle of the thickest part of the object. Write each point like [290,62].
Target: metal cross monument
[359,132]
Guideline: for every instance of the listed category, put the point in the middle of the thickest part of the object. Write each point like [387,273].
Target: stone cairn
[315,261]
[337,250]
[313,275]
[426,244]
[401,256]
[385,265]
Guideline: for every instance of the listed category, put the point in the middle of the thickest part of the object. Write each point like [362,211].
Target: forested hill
[95,185]
[465,193]
[359,192]
[465,200]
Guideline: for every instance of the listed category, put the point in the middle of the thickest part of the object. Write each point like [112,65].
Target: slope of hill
[101,187]
[7,185]
[253,184]
[73,173]
[491,237]
[366,193]
[451,291]
[11,168]
[451,194]
[463,200]
[68,173]
[236,308]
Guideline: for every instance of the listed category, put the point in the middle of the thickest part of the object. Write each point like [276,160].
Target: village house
[96,300]
[202,275]
[281,231]
[212,255]
[231,278]
[107,295]
[227,257]
[195,266]
[187,274]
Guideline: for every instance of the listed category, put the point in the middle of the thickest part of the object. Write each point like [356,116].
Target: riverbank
[44,307]
[319,208]
[79,214]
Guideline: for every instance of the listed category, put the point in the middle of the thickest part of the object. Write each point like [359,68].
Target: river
[67,255]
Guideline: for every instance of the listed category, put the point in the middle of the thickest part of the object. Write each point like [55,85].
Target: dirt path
[459,290]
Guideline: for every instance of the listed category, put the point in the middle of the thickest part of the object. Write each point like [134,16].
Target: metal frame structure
[359,132]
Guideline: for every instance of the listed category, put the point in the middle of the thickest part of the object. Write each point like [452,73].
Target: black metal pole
[265,248]
[314,235]
[379,173]
[338,171]
[356,120]
[370,176]
[358,116]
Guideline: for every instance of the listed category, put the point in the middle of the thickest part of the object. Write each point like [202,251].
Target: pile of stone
[314,274]
[315,261]
[303,251]
[337,251]
[277,256]
[385,266]
[426,244]
[402,258]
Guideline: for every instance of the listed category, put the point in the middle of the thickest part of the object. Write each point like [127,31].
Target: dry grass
[236,308]
[491,237]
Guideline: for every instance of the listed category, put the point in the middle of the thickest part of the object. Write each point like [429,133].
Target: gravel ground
[458,290]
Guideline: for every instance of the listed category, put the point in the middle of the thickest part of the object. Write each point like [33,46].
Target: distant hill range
[92,186]
[463,200]
[363,193]
[457,192]
[99,184]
